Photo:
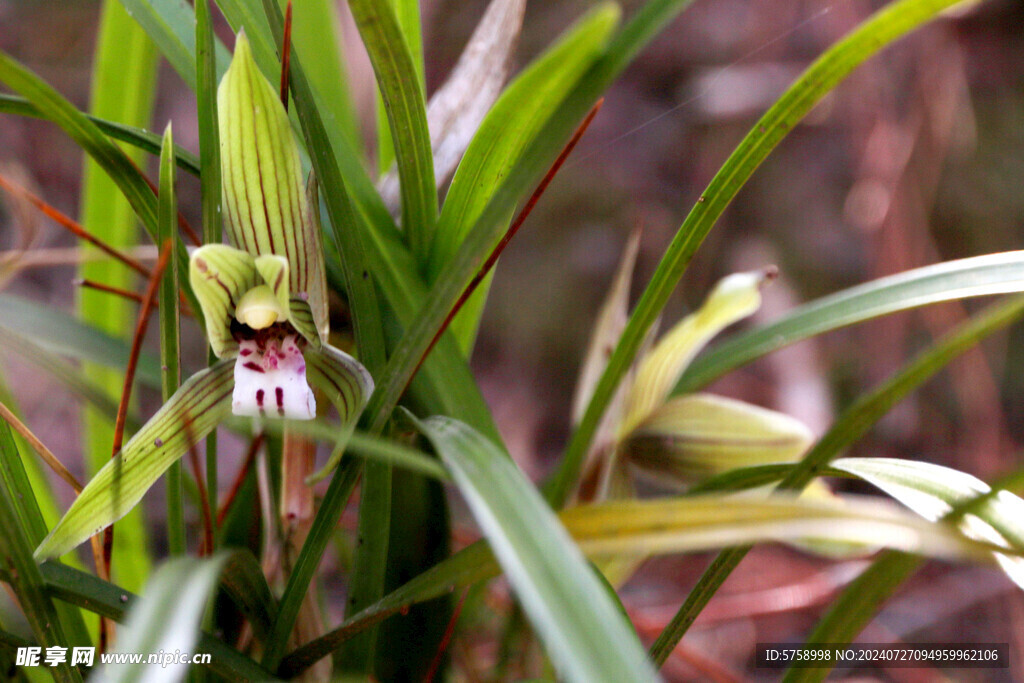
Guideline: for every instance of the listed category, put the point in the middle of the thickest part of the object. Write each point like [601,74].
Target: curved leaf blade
[1001,273]
[166,619]
[566,602]
[194,410]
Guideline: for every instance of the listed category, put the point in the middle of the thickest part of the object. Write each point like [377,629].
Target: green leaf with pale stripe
[137,137]
[348,386]
[675,525]
[1000,273]
[566,603]
[194,410]
[934,491]
[166,619]
[404,101]
[59,333]
[264,200]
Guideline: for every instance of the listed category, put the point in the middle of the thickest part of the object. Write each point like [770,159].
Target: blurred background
[917,158]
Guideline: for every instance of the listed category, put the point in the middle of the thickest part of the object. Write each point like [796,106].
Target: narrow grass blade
[407,16]
[690,524]
[134,136]
[170,24]
[934,491]
[1000,273]
[170,333]
[456,109]
[514,121]
[315,26]
[201,403]
[166,619]
[404,101]
[884,26]
[23,574]
[851,425]
[61,334]
[14,477]
[567,604]
[365,446]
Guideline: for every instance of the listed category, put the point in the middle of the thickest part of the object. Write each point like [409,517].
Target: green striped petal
[266,209]
[220,276]
[184,420]
[347,385]
[699,435]
[733,298]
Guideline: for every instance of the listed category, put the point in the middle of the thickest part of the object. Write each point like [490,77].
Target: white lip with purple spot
[271,381]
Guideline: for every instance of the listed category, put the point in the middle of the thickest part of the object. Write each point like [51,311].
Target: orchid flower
[264,301]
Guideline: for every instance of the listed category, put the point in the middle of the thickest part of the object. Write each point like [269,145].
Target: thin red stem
[110,289]
[207,546]
[449,630]
[74,227]
[511,232]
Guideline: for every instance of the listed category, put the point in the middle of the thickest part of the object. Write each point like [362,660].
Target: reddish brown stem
[445,640]
[511,232]
[126,391]
[74,227]
[207,545]
[225,507]
[110,289]
[286,54]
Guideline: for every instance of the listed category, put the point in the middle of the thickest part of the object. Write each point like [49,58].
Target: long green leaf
[315,27]
[13,477]
[930,489]
[566,603]
[112,601]
[22,572]
[934,491]
[195,409]
[487,228]
[171,25]
[243,581]
[170,333]
[675,525]
[166,619]
[1001,273]
[851,425]
[61,334]
[513,122]
[883,27]
[404,101]
[210,180]
[407,17]
[137,137]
